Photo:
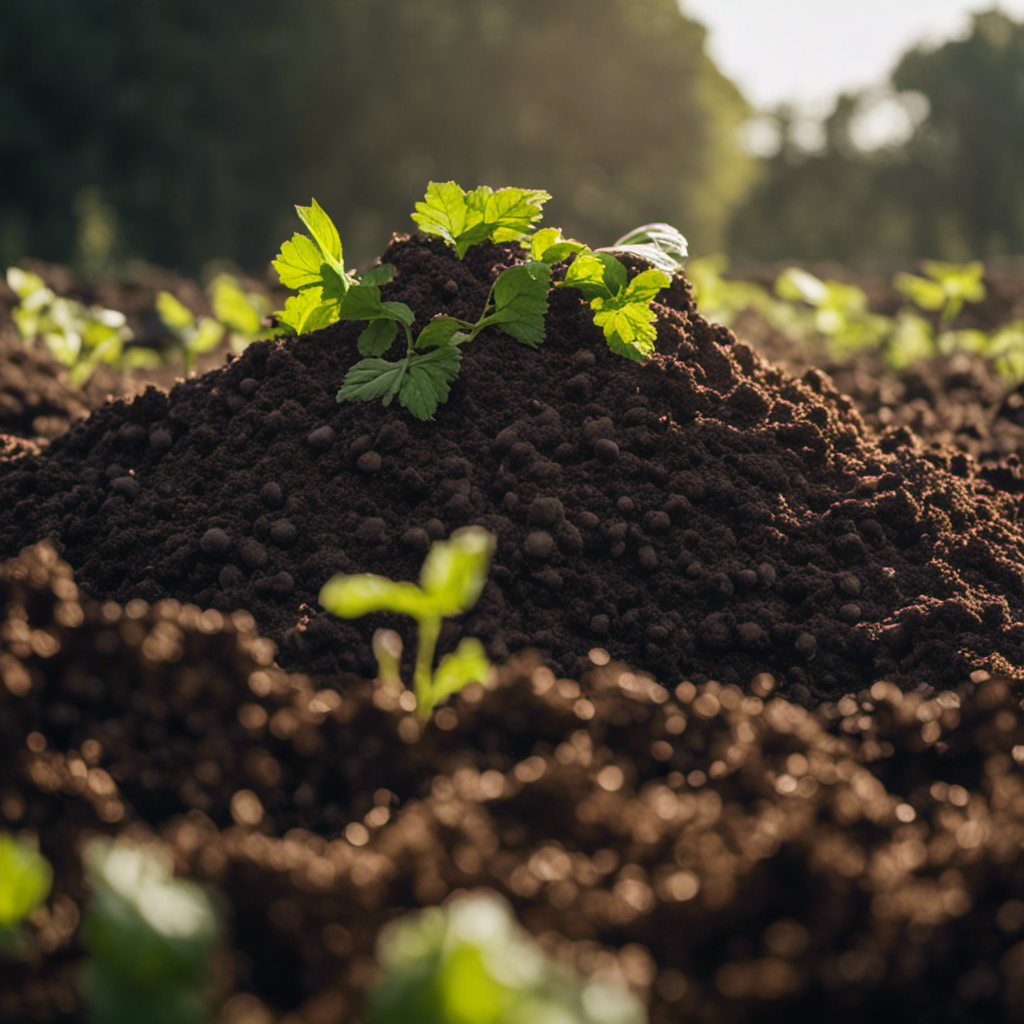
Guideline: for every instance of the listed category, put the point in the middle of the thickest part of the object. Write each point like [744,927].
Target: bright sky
[808,51]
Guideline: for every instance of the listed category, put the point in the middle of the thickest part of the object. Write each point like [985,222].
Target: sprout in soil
[25,879]
[452,577]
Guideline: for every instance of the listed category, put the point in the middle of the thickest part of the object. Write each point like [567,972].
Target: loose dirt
[731,533]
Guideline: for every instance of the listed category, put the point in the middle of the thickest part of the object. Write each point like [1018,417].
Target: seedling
[516,304]
[944,288]
[621,308]
[452,577]
[149,937]
[25,879]
[464,219]
[469,962]
[194,335]
[242,312]
[80,338]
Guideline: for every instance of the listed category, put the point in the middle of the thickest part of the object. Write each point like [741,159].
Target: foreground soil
[803,797]
[730,856]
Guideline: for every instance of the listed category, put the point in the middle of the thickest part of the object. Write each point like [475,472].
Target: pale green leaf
[299,263]
[174,314]
[25,879]
[645,286]
[324,233]
[235,307]
[629,330]
[350,597]
[547,244]
[24,283]
[307,312]
[468,663]
[660,244]
[209,334]
[443,210]
[454,571]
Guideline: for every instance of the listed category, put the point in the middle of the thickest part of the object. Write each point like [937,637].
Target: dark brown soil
[730,532]
[732,857]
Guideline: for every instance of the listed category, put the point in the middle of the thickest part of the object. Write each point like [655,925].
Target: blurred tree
[952,190]
[201,124]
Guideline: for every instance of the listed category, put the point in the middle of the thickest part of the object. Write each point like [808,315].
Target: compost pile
[701,514]
[736,536]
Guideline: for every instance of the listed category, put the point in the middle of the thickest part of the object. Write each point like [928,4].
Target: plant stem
[423,676]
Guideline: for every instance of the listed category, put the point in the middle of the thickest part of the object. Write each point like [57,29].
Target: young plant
[194,335]
[944,287]
[421,379]
[149,936]
[469,962]
[464,219]
[80,338]
[25,879]
[621,307]
[452,577]
[242,312]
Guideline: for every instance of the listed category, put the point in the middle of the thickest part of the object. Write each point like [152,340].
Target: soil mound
[701,515]
[731,856]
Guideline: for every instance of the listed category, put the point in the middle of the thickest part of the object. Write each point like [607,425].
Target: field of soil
[755,738]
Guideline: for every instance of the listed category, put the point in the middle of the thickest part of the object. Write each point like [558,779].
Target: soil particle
[664,486]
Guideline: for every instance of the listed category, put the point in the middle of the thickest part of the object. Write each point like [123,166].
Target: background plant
[470,963]
[452,577]
[25,879]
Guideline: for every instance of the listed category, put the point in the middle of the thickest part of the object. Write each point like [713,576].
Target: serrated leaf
[596,275]
[467,664]
[427,382]
[307,312]
[443,210]
[324,233]
[629,329]
[372,378]
[645,286]
[466,218]
[377,338]
[299,263]
[350,597]
[440,330]
[547,244]
[173,313]
[521,301]
[379,275]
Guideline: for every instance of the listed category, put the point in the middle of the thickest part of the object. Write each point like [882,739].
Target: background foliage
[199,125]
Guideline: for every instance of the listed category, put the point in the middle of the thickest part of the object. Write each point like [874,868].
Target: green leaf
[235,307]
[439,331]
[464,219]
[468,663]
[454,571]
[25,879]
[629,329]
[307,311]
[596,275]
[24,283]
[174,314]
[363,302]
[379,275]
[324,233]
[377,338]
[797,285]
[521,301]
[299,262]
[547,244]
[208,335]
[350,597]
[428,380]
[645,286]
[372,378]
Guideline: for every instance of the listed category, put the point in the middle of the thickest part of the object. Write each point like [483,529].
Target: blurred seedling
[25,880]
[469,962]
[943,288]
[149,936]
[79,337]
[241,311]
[452,577]
[193,335]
